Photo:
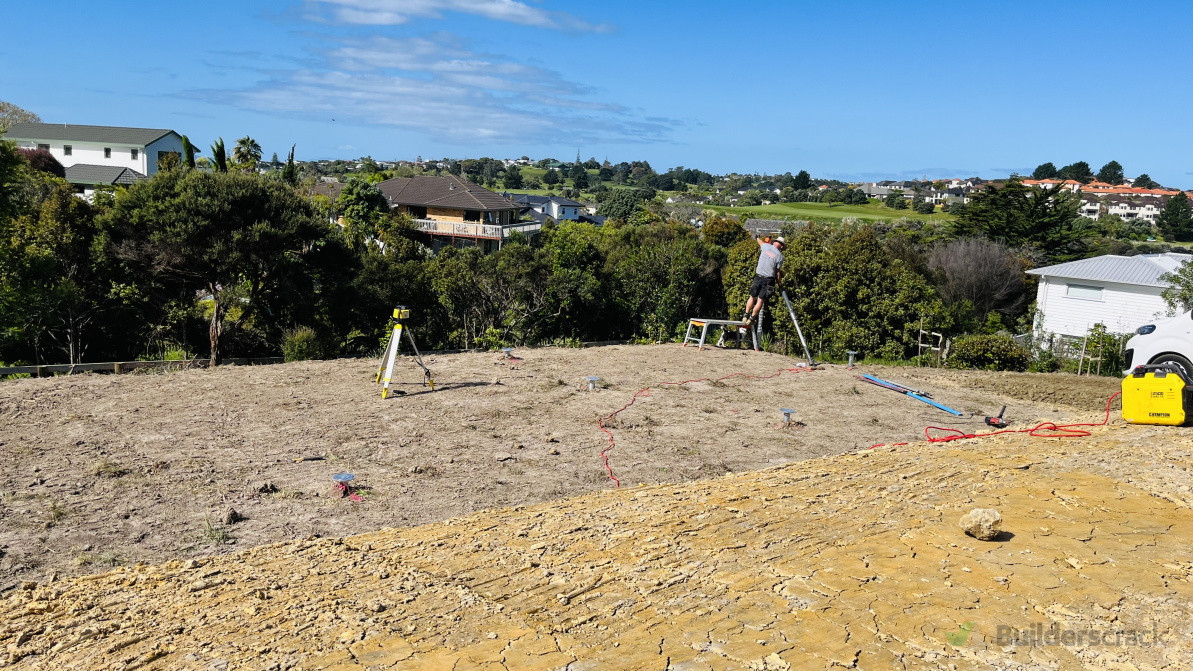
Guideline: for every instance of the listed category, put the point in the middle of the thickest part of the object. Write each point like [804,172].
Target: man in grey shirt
[768,277]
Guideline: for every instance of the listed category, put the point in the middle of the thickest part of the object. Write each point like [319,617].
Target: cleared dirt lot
[850,561]
[100,471]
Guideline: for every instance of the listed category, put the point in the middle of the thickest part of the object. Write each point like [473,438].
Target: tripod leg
[419,359]
[391,353]
[384,357]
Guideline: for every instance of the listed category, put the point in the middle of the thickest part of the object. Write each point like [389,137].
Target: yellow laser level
[385,372]
[1157,394]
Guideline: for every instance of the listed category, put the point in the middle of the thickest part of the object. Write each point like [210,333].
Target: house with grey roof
[99,154]
[556,207]
[1120,292]
[452,211]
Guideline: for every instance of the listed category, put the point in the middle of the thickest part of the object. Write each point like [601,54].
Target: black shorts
[763,287]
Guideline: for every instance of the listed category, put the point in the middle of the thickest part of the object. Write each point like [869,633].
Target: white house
[1121,292]
[101,147]
[556,207]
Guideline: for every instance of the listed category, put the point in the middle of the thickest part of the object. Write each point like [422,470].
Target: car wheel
[1184,364]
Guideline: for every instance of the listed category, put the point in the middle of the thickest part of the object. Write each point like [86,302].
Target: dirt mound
[1063,389]
[102,471]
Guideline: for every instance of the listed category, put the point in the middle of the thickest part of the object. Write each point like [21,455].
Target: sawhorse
[701,325]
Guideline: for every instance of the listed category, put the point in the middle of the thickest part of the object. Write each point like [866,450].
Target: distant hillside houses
[952,191]
[1099,199]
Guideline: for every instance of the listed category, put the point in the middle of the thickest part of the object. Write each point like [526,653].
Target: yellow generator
[1157,394]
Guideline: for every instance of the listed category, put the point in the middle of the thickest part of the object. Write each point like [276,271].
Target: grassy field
[817,211]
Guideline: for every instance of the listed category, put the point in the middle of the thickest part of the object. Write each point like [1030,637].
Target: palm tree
[247,154]
[219,156]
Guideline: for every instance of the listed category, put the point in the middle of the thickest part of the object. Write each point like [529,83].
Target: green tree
[1045,219]
[1179,294]
[1078,171]
[580,180]
[66,291]
[170,160]
[723,231]
[1111,173]
[895,200]
[512,179]
[551,178]
[14,173]
[290,171]
[188,152]
[219,156]
[230,236]
[1145,182]
[1044,171]
[246,154]
[362,206]
[621,204]
[802,180]
[1176,219]
[10,114]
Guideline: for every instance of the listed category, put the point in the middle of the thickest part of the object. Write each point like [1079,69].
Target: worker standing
[768,277]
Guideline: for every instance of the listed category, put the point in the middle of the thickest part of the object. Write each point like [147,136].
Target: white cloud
[433,86]
[395,12]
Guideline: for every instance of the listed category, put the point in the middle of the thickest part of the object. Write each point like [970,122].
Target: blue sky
[863,90]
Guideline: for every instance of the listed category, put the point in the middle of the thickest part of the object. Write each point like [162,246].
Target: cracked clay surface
[852,561]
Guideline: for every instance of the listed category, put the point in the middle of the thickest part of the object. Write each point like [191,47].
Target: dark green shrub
[301,344]
[988,352]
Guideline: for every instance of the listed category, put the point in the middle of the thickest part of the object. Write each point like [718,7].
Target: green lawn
[816,211]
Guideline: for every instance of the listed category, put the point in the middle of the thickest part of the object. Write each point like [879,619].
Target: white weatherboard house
[1121,292]
[99,154]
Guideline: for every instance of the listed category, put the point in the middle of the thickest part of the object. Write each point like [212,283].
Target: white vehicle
[1163,341]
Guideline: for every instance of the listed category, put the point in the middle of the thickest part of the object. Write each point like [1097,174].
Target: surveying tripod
[398,321]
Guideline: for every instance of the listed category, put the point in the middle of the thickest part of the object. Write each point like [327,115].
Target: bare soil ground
[848,561]
[99,471]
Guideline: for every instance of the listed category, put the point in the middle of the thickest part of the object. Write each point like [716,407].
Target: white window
[43,146]
[1084,291]
[67,149]
[133,154]
[107,152]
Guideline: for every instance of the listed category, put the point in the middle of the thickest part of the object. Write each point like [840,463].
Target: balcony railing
[468,229]
[463,229]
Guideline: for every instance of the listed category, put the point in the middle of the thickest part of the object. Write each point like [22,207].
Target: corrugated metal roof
[1143,270]
[74,133]
[83,173]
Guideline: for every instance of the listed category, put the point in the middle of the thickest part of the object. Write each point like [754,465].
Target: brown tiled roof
[450,191]
[330,189]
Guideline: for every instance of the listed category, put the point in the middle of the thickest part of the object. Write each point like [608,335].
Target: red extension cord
[1041,430]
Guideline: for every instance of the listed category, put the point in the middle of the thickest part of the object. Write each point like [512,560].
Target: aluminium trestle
[698,331]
